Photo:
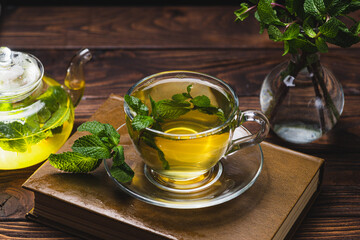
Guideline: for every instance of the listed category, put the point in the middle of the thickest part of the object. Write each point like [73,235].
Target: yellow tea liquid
[191,153]
[35,153]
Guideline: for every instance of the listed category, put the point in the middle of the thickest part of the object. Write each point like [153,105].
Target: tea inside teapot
[36,112]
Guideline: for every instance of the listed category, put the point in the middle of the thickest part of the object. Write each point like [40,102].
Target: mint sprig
[306,26]
[89,150]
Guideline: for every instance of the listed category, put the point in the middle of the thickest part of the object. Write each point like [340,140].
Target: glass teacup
[182,153]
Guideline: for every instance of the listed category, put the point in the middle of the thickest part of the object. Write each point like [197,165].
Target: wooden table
[131,42]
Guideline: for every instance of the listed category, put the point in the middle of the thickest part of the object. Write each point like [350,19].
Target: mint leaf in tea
[198,108]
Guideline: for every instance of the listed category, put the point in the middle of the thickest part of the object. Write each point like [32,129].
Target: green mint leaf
[315,8]
[168,109]
[201,101]
[18,145]
[304,44]
[241,14]
[292,32]
[54,97]
[267,14]
[212,110]
[355,29]
[308,29]
[344,38]
[180,97]
[336,7]
[19,136]
[122,173]
[106,132]
[120,170]
[141,122]
[44,114]
[353,6]
[136,105]
[274,33]
[286,48]
[331,27]
[164,162]
[295,7]
[321,45]
[188,89]
[262,25]
[58,118]
[112,134]
[91,146]
[149,140]
[5,107]
[118,156]
[220,114]
[73,162]
[93,127]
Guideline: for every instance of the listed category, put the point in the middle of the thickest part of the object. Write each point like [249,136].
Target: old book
[92,207]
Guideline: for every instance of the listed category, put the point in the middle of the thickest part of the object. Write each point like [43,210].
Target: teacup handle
[252,139]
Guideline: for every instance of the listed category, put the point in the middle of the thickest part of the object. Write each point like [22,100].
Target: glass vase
[302,99]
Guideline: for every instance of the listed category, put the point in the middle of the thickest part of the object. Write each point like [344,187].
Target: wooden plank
[22,229]
[311,228]
[145,27]
[329,228]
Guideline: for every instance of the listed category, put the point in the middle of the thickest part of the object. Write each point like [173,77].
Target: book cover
[93,207]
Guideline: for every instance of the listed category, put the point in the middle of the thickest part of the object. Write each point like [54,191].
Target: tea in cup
[191,122]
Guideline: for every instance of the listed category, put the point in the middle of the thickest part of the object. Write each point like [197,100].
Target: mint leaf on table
[120,170]
[106,132]
[74,162]
[89,150]
[91,146]
[93,127]
[122,173]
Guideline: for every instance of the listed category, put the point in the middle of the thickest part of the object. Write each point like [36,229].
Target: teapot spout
[74,80]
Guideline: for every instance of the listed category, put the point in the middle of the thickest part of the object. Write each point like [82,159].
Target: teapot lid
[19,72]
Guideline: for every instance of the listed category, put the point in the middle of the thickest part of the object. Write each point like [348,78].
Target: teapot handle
[74,79]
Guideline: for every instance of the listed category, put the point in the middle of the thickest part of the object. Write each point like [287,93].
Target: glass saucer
[240,171]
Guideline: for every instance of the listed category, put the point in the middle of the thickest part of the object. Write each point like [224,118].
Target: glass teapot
[36,112]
